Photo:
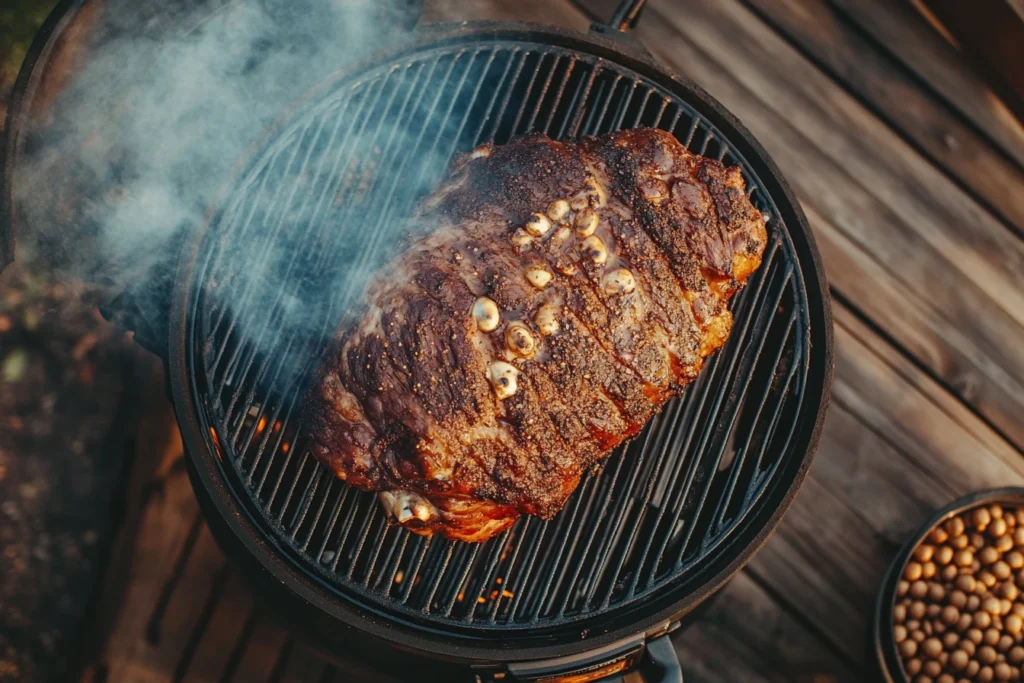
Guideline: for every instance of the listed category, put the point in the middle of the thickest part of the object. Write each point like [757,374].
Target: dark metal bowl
[882,639]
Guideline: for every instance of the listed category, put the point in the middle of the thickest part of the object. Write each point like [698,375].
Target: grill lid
[665,520]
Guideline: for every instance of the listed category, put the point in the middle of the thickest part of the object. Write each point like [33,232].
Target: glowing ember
[261,425]
[285,448]
[216,443]
[399,576]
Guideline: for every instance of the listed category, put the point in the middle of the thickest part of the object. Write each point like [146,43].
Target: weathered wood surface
[904,33]
[911,179]
[893,93]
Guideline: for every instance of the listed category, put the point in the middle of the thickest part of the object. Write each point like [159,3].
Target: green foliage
[19,21]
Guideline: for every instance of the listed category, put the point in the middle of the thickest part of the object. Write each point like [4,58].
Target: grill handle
[635,659]
[659,664]
[627,14]
[623,17]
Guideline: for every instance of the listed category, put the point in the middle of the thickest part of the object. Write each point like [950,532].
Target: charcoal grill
[645,539]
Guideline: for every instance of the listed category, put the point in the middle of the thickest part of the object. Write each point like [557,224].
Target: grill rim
[230,521]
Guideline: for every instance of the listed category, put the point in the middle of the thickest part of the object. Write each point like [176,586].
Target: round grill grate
[318,209]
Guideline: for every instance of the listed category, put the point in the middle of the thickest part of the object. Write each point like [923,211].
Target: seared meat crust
[561,294]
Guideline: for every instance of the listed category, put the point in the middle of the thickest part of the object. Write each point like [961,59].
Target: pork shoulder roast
[556,296]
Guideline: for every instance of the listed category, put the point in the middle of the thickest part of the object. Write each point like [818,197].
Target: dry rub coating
[563,292]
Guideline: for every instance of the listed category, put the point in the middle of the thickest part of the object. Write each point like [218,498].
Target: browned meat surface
[563,292]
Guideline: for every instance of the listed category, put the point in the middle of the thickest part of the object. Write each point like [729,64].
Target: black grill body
[665,521]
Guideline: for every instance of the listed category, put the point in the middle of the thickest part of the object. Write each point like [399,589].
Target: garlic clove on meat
[504,379]
[558,209]
[595,249]
[519,340]
[560,237]
[546,319]
[406,505]
[486,314]
[586,223]
[595,193]
[521,238]
[579,202]
[619,281]
[538,225]
[539,276]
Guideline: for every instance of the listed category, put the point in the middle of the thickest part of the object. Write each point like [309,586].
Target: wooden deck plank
[172,626]
[831,149]
[299,664]
[895,93]
[217,641]
[900,29]
[896,446]
[980,366]
[826,564]
[165,531]
[261,653]
[966,239]
[745,636]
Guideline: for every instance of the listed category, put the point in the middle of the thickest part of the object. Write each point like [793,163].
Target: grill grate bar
[713,424]
[597,113]
[463,578]
[388,207]
[339,503]
[594,528]
[335,179]
[489,573]
[694,125]
[533,595]
[709,377]
[421,554]
[675,441]
[526,95]
[776,416]
[532,554]
[227,336]
[309,249]
[543,92]
[373,515]
[521,64]
[613,530]
[520,530]
[624,103]
[284,468]
[435,580]
[566,77]
[251,286]
[391,576]
[381,525]
[666,422]
[589,500]
[243,233]
[643,107]
[306,499]
[574,118]
[741,453]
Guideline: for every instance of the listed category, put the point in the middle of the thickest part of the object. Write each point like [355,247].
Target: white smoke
[164,103]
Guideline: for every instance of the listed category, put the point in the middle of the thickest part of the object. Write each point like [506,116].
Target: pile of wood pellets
[959,613]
